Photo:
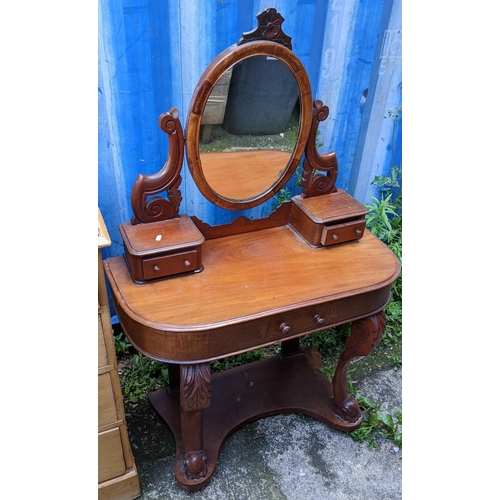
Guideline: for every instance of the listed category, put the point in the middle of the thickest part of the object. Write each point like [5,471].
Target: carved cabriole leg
[365,336]
[195,388]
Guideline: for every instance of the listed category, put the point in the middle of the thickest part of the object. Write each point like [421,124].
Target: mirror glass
[249,128]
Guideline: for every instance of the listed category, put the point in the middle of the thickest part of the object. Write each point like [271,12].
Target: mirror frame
[207,82]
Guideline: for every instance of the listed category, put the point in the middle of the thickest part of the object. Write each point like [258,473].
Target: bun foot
[195,465]
[348,410]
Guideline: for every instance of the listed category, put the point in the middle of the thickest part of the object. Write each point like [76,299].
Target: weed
[330,341]
[329,371]
[397,360]
[141,375]
[378,423]
[283,195]
[122,344]
[375,422]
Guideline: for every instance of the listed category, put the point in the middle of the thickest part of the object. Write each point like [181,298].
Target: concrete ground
[285,457]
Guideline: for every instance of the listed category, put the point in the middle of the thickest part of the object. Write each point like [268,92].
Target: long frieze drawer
[169,265]
[111,461]
[288,324]
[339,233]
[106,407]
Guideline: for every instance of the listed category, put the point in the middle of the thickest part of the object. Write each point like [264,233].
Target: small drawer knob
[187,263]
[285,328]
[319,320]
[156,269]
[357,231]
[334,236]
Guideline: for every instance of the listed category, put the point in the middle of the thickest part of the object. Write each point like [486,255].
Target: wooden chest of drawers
[117,474]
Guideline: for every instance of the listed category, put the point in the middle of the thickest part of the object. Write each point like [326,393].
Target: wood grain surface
[249,284]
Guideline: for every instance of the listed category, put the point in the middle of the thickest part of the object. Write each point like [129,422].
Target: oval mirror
[248,124]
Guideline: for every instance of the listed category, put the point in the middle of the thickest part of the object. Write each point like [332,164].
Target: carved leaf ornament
[197,386]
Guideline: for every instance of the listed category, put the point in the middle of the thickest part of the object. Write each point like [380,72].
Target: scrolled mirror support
[168,178]
[317,184]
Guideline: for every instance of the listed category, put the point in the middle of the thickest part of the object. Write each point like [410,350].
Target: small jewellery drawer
[339,233]
[171,264]
[162,249]
[288,324]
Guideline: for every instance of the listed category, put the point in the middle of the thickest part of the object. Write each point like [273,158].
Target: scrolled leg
[366,334]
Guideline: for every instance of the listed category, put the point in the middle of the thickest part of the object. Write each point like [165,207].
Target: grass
[224,141]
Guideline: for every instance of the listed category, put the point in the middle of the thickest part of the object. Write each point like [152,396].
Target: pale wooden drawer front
[107,407]
[111,461]
[102,354]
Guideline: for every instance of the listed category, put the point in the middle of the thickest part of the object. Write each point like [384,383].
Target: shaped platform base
[278,385]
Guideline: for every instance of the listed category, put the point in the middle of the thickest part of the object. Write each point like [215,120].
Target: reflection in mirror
[249,128]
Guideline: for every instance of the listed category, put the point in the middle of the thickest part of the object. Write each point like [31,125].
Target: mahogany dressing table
[187,293]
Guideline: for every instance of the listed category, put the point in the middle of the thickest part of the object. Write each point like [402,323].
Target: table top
[249,279]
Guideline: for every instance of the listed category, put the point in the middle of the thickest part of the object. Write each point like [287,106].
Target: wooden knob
[156,269]
[285,328]
[319,320]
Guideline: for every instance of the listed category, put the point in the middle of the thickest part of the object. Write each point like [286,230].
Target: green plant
[394,316]
[283,195]
[329,341]
[122,344]
[397,360]
[329,371]
[141,375]
[377,423]
[384,220]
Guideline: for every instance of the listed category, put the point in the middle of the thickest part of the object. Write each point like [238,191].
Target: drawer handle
[285,328]
[319,320]
[187,263]
[357,231]
[334,236]
[156,269]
